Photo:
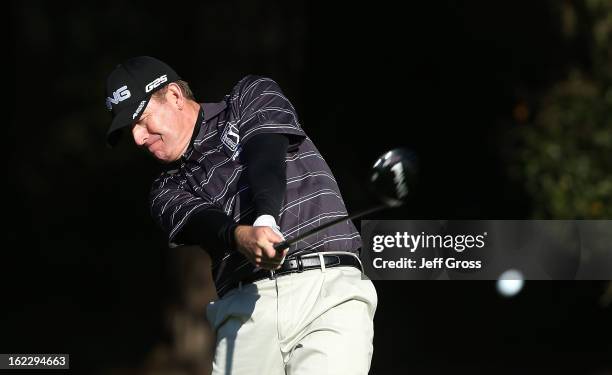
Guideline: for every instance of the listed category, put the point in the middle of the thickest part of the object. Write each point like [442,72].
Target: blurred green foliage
[566,156]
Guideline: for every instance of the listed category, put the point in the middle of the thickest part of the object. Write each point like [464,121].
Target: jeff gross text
[413,242]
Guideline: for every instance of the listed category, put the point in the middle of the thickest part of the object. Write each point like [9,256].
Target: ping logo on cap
[156,82]
[120,95]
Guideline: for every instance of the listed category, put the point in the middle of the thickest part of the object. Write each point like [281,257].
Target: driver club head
[394,176]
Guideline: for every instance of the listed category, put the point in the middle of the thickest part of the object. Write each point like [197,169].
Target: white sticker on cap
[156,82]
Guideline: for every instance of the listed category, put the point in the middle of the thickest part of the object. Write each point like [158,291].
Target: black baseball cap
[129,88]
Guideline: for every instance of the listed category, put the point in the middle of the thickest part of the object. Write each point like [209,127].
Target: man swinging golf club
[238,177]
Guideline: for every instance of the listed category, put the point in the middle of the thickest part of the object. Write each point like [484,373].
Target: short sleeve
[262,107]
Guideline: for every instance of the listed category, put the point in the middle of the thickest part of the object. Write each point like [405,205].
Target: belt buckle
[336,262]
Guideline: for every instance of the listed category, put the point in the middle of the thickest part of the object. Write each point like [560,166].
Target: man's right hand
[257,245]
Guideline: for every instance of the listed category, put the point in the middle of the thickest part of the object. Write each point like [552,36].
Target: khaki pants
[314,322]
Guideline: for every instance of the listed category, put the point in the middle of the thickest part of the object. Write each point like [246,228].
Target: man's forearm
[265,155]
[267,172]
[211,228]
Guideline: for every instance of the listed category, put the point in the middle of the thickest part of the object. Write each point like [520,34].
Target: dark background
[85,270]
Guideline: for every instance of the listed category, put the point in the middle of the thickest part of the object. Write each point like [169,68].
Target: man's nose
[140,135]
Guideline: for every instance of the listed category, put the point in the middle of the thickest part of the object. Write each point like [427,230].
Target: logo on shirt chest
[230,137]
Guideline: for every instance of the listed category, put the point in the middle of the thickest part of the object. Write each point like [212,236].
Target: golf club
[393,177]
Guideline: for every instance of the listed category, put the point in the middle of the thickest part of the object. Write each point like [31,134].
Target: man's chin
[160,157]
[164,158]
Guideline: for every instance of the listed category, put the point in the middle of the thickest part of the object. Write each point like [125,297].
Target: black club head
[394,176]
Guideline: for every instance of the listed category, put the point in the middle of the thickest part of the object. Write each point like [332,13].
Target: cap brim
[123,120]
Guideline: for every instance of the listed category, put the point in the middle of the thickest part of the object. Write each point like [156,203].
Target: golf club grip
[285,244]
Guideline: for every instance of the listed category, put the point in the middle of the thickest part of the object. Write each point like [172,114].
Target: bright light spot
[510,283]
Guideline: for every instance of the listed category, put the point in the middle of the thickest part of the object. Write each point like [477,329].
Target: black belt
[297,264]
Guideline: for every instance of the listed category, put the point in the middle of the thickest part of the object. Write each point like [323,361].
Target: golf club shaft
[285,244]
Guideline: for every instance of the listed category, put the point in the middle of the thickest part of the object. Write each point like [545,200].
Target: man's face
[159,130]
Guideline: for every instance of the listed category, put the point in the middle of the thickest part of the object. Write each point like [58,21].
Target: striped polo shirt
[211,174]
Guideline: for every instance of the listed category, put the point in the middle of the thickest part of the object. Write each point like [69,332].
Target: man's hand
[257,245]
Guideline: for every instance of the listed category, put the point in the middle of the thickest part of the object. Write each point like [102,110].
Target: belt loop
[322,260]
[300,265]
[240,286]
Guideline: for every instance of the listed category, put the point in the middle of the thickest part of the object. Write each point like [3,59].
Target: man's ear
[175,96]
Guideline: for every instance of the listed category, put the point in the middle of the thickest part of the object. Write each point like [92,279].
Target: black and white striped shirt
[210,174]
